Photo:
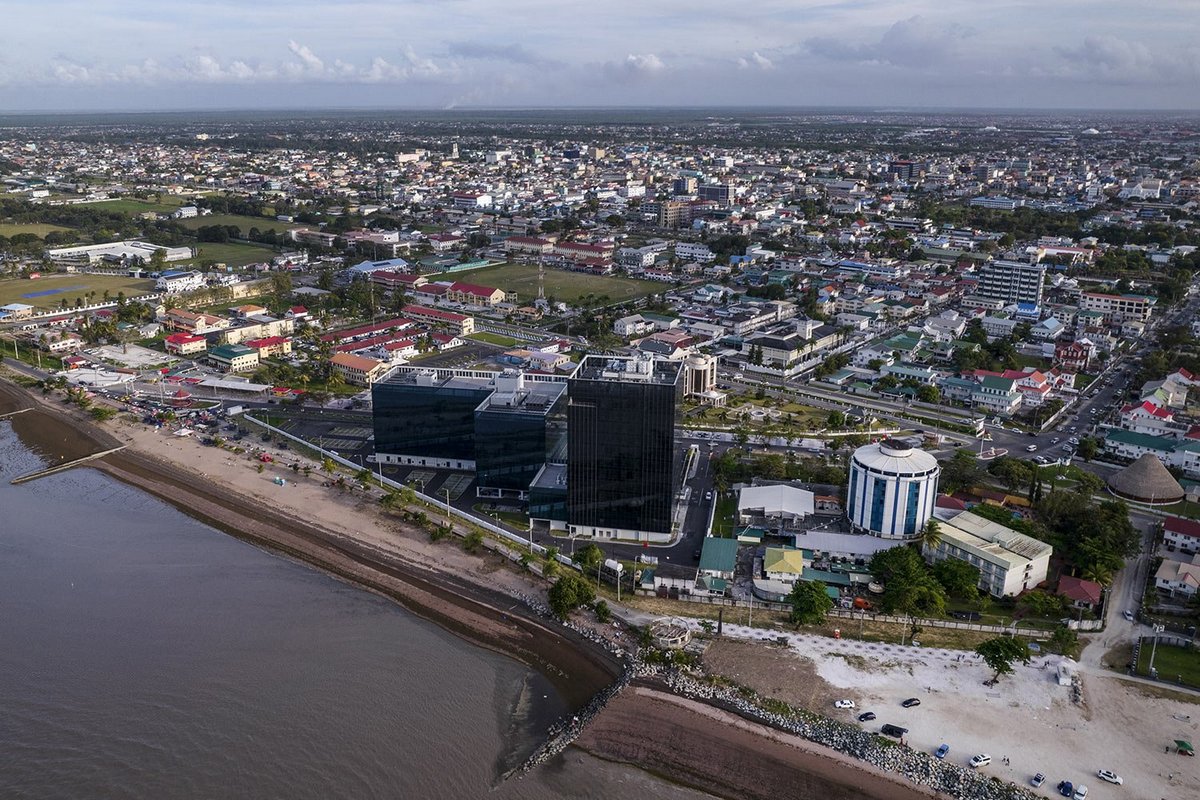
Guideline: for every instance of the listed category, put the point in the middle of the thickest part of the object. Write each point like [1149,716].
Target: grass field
[493,338]
[567,287]
[69,287]
[1174,664]
[132,207]
[36,228]
[242,222]
[232,253]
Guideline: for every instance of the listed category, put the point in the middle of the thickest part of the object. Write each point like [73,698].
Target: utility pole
[1154,648]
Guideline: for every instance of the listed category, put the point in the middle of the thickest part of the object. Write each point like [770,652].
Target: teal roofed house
[718,557]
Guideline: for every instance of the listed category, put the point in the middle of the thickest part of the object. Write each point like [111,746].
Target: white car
[1129,616]
[981,760]
[1109,775]
[844,704]
[1081,792]
[1031,448]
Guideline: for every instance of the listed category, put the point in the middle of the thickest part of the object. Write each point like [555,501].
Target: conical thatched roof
[1146,481]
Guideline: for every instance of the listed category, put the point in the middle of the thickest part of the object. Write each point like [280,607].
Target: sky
[89,55]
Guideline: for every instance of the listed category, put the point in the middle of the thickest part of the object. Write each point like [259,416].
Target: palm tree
[1097,573]
[931,535]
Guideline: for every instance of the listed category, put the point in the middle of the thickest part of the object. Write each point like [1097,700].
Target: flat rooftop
[628,370]
[529,398]
[551,476]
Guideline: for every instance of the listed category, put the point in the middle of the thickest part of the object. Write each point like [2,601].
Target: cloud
[912,42]
[1115,59]
[511,53]
[756,61]
[306,66]
[634,67]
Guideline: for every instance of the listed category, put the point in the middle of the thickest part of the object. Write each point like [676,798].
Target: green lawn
[493,338]
[725,520]
[242,222]
[561,285]
[1185,508]
[36,228]
[235,254]
[1173,663]
[69,287]
[132,206]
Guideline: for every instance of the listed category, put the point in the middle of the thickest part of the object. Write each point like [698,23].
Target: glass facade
[620,451]
[512,444]
[434,421]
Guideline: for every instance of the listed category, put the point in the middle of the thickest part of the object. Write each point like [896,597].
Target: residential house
[357,370]
[1178,579]
[185,344]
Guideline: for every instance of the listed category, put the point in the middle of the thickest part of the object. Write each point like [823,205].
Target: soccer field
[244,224]
[563,286]
[49,292]
[234,254]
[36,228]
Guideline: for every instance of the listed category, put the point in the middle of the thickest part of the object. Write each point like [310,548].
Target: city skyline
[474,53]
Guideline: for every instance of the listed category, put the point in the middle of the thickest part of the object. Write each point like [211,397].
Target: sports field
[234,254]
[48,292]
[133,206]
[36,228]
[243,223]
[563,286]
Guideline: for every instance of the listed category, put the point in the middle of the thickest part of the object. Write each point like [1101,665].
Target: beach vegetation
[810,603]
[958,578]
[103,413]
[603,612]
[589,557]
[1001,652]
[568,593]
[473,541]
[1064,641]
[909,585]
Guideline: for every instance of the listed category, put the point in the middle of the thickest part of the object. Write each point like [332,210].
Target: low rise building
[233,358]
[1008,562]
[358,370]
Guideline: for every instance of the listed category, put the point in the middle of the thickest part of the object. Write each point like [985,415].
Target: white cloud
[756,61]
[634,67]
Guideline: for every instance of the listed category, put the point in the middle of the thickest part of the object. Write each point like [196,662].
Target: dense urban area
[862,385]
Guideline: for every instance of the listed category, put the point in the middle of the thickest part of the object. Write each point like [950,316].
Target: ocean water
[146,655]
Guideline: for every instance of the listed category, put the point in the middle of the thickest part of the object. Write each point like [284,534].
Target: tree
[908,585]
[568,593]
[929,394]
[960,472]
[1000,653]
[931,534]
[836,419]
[589,557]
[958,578]
[810,603]
[1064,641]
[1088,448]
[328,465]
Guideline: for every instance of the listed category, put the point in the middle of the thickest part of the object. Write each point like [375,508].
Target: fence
[507,536]
[849,615]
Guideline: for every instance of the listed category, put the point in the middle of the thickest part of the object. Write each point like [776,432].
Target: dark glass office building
[516,428]
[620,451]
[426,419]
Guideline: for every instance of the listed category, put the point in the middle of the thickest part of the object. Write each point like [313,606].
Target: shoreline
[714,749]
[467,603]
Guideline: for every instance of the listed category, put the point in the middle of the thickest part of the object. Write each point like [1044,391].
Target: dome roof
[892,455]
[1146,481]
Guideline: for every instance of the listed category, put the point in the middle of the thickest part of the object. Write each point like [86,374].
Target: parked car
[981,760]
[844,704]
[895,731]
[972,616]
[910,702]
[1080,792]
[941,751]
[866,716]
[1128,615]
[1066,788]
[1037,781]
[1110,776]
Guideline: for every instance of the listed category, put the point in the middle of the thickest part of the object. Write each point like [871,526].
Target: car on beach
[1081,792]
[1110,776]
[981,760]
[910,702]
[866,716]
[1066,788]
[941,751]
[1037,781]
[844,704]
[895,731]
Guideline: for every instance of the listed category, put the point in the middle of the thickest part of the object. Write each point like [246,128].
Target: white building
[115,251]
[779,504]
[175,282]
[1008,562]
[694,251]
[893,489]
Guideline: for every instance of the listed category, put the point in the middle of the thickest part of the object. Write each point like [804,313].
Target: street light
[1154,648]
